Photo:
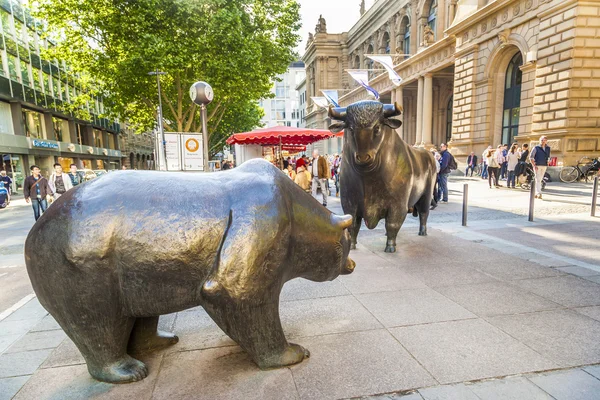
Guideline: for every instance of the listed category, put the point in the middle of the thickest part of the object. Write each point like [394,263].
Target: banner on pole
[362,77]
[172,151]
[331,96]
[388,64]
[320,101]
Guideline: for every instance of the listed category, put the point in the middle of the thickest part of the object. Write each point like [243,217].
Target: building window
[278,109]
[6,126]
[13,67]
[449,119]
[406,42]
[98,140]
[431,19]
[80,133]
[61,129]
[25,73]
[386,43]
[33,124]
[512,99]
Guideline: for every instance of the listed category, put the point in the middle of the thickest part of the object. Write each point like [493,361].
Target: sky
[340,16]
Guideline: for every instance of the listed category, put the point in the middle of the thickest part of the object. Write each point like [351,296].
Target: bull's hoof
[125,370]
[390,248]
[293,354]
[353,246]
[423,233]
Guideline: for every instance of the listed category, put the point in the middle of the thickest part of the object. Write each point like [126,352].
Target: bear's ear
[341,221]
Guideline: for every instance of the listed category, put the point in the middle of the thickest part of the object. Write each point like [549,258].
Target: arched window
[369,62]
[357,62]
[512,99]
[385,43]
[449,119]
[431,19]
[405,29]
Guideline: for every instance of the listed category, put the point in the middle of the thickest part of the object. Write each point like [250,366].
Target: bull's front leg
[393,223]
[354,229]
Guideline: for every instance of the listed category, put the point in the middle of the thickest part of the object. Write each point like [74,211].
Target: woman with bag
[37,190]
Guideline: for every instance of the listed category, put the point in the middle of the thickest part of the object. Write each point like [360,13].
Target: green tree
[238,46]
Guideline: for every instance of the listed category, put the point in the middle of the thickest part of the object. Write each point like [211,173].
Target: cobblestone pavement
[503,308]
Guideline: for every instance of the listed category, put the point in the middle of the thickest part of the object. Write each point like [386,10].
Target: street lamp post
[162,152]
[202,94]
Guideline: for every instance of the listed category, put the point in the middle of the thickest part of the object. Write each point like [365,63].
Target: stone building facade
[475,72]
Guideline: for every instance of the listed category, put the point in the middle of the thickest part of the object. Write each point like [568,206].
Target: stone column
[419,130]
[427,110]
[414,31]
[441,20]
[452,12]
[16,113]
[397,97]
[49,126]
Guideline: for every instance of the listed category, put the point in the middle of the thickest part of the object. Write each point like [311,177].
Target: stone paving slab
[564,336]
[412,307]
[569,385]
[302,289]
[74,382]
[512,388]
[375,279]
[10,386]
[569,291]
[357,364]
[465,350]
[495,298]
[37,341]
[223,373]
[448,392]
[22,363]
[314,317]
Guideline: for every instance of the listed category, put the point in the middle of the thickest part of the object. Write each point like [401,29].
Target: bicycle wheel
[590,176]
[568,174]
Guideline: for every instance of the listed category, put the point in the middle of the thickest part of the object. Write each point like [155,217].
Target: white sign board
[193,154]
[184,152]
[173,150]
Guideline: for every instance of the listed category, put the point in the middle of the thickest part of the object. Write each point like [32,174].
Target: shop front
[13,165]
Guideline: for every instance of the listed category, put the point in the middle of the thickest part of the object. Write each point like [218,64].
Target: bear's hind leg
[257,329]
[146,337]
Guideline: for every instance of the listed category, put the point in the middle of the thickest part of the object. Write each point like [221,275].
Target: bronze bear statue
[112,255]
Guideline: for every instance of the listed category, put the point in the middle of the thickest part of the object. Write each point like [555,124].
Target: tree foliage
[237,46]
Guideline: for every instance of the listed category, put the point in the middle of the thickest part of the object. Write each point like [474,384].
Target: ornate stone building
[475,72]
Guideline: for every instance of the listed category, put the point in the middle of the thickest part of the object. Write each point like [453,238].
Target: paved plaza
[501,309]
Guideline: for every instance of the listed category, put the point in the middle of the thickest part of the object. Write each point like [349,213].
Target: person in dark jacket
[539,160]
[35,189]
[523,160]
[471,163]
[444,172]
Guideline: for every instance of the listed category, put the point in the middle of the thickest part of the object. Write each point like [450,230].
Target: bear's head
[327,256]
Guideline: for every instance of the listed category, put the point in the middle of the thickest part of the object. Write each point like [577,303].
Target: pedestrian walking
[484,164]
[37,191]
[319,175]
[504,163]
[7,183]
[512,158]
[303,178]
[445,157]
[76,178]
[471,163]
[336,174]
[521,168]
[539,160]
[59,182]
[493,167]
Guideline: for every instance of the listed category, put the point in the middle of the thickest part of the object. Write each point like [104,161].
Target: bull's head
[363,123]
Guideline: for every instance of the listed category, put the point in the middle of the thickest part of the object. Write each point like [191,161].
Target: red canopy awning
[284,135]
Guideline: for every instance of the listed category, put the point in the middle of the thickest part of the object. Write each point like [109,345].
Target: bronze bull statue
[112,255]
[381,176]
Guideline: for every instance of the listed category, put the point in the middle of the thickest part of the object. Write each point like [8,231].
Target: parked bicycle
[583,170]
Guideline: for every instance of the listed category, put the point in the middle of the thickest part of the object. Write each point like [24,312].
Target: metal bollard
[531,200]
[595,196]
[465,200]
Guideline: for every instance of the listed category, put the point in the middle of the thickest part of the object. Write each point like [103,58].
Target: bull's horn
[391,110]
[341,221]
[338,113]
